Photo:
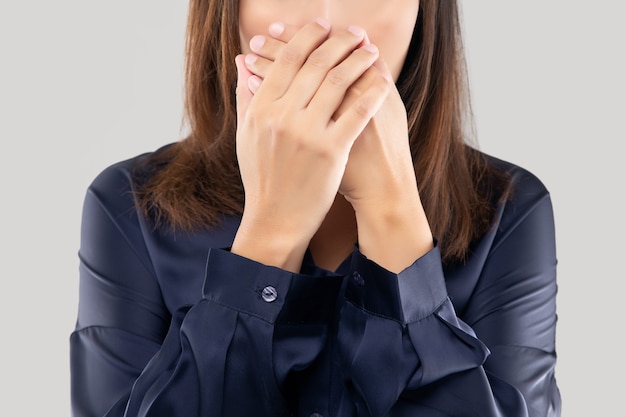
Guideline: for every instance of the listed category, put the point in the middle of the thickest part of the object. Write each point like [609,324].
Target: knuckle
[318,59]
[363,108]
[356,90]
[290,55]
[278,121]
[277,126]
[337,77]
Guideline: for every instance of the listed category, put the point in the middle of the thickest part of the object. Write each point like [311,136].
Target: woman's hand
[292,152]
[379,180]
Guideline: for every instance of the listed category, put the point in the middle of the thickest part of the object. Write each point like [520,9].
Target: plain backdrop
[85,84]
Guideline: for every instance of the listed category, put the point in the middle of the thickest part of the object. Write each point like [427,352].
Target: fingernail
[237,62]
[323,23]
[370,47]
[254,83]
[276,29]
[257,42]
[387,76]
[355,30]
[250,59]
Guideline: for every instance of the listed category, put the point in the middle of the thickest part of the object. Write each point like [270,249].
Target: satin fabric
[176,325]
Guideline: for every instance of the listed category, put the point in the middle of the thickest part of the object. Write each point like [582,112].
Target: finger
[242,92]
[378,68]
[382,66]
[321,63]
[355,90]
[270,46]
[258,66]
[266,49]
[292,57]
[352,122]
[339,81]
[266,46]
[254,82]
[282,31]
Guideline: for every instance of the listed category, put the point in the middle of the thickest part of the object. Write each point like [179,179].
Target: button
[358,278]
[269,294]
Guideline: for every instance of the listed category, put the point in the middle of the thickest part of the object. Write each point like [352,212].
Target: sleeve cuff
[407,297]
[267,292]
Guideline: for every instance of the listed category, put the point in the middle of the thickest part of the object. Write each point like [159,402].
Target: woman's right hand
[292,154]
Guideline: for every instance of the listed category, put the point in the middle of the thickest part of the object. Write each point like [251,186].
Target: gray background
[85,84]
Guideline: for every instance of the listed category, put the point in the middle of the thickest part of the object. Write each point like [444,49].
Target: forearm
[393,235]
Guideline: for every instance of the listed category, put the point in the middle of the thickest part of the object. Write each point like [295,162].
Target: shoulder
[110,202]
[525,207]
[116,184]
[116,262]
[110,221]
[523,187]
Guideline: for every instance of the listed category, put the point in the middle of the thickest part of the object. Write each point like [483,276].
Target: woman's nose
[331,10]
[317,8]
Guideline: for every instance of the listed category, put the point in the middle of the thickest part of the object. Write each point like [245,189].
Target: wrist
[393,235]
[269,245]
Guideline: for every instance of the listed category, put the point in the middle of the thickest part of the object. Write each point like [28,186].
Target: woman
[297,255]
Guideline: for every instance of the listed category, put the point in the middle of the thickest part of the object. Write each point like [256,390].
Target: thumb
[242,92]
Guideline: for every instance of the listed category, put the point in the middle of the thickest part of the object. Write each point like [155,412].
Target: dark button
[269,294]
[358,278]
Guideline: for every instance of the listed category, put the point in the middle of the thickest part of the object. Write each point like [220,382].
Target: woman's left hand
[379,180]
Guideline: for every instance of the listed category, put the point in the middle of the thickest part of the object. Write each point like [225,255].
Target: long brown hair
[195,182]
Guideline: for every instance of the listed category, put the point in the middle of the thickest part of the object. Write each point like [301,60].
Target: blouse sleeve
[513,309]
[403,329]
[122,319]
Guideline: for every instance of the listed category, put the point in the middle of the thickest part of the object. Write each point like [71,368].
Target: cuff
[407,297]
[267,292]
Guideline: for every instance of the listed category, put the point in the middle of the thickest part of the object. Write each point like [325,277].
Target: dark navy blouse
[175,325]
